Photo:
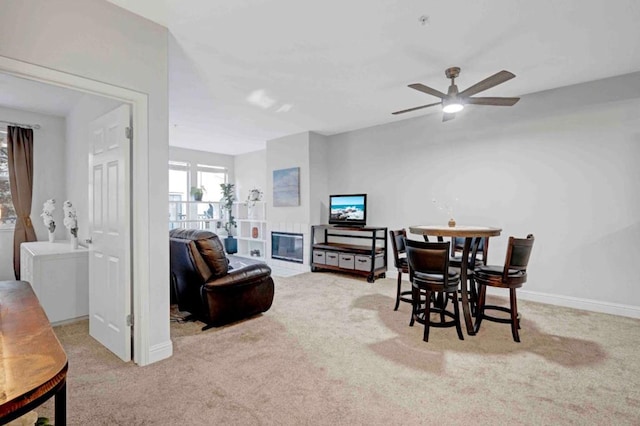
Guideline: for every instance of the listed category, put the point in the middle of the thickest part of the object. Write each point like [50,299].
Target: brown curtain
[20,153]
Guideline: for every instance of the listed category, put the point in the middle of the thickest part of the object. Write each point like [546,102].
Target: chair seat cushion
[453,276]
[403,264]
[458,258]
[495,270]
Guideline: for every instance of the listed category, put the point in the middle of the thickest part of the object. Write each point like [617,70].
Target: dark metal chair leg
[474,295]
[399,291]
[427,317]
[456,310]
[514,315]
[442,302]
[480,308]
[415,300]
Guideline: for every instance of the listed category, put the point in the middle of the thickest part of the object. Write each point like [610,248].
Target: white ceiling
[34,96]
[331,66]
[344,65]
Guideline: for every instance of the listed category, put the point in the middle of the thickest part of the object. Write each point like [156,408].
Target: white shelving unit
[196,215]
[252,229]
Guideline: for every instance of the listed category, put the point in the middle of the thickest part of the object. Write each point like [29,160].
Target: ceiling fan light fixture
[452,105]
[454,101]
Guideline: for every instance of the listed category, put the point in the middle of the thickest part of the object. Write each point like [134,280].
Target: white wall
[560,164]
[48,178]
[100,41]
[318,179]
[77,153]
[284,153]
[251,172]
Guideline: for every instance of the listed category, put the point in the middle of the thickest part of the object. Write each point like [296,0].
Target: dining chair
[429,274]
[477,256]
[400,261]
[512,276]
[480,257]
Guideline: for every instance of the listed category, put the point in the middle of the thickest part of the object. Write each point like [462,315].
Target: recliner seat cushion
[240,276]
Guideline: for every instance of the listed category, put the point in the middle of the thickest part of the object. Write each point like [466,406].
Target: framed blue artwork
[286,187]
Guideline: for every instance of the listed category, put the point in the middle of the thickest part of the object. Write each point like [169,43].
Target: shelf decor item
[448,208]
[226,204]
[255,196]
[254,232]
[197,192]
[71,222]
[47,217]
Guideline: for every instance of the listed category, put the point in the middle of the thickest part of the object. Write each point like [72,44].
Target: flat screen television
[348,209]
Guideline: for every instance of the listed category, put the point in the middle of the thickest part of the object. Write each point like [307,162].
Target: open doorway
[139,183]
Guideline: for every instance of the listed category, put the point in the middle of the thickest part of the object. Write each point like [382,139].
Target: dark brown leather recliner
[213,287]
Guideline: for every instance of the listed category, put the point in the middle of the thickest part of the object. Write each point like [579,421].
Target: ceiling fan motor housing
[452,72]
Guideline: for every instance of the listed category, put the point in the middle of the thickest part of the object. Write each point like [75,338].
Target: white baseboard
[559,300]
[580,303]
[70,320]
[160,351]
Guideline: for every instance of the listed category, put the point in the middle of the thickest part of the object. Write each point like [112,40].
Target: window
[210,178]
[179,181]
[178,191]
[183,211]
[7,212]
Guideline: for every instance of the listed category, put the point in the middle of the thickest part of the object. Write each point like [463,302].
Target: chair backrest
[518,253]
[397,242]
[427,257]
[457,246]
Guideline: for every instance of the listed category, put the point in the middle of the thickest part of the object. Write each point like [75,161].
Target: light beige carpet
[331,351]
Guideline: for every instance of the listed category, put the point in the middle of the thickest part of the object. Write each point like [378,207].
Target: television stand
[340,248]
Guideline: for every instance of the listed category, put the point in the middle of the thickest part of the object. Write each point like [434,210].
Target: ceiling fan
[455,101]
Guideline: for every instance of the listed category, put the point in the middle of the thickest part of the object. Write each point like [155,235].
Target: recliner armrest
[245,275]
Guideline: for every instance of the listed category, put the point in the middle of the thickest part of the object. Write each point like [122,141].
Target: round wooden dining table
[469,233]
[33,363]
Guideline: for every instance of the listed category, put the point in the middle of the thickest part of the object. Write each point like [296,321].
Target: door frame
[139,183]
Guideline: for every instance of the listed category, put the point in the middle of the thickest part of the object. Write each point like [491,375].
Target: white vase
[74,242]
[52,236]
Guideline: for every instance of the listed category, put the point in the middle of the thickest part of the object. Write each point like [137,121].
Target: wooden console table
[34,365]
[332,248]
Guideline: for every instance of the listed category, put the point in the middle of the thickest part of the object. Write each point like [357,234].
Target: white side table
[59,276]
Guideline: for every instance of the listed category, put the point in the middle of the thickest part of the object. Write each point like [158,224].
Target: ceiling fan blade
[448,116]
[415,108]
[492,101]
[488,83]
[426,89]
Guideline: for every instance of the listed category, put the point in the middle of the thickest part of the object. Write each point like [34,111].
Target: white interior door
[109,224]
